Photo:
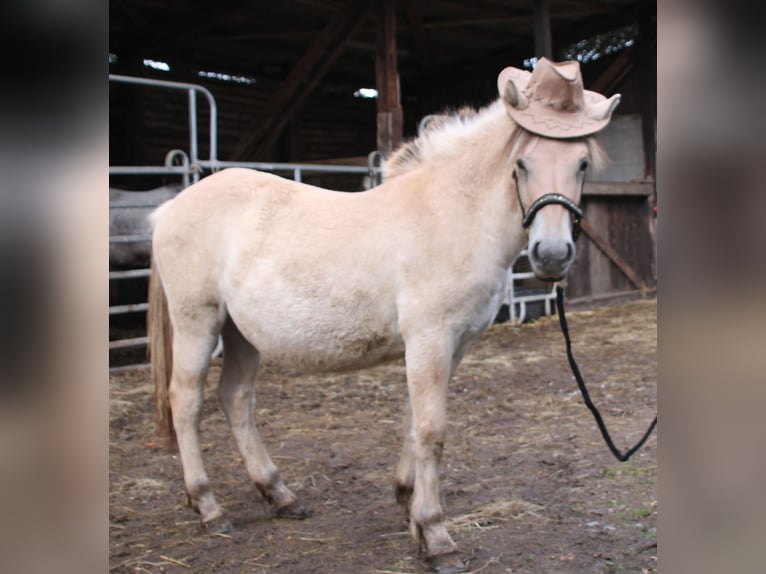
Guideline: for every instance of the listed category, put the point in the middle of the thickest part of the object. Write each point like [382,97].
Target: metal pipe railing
[192,90]
[148,170]
[512,299]
[300,168]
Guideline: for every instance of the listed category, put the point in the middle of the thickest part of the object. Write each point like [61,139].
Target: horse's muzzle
[551,258]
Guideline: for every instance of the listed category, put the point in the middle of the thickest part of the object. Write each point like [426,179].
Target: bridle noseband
[548,199]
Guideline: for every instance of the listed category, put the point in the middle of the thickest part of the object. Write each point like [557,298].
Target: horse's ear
[602,110]
[509,91]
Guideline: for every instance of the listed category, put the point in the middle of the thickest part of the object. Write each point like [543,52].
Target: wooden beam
[615,73]
[389,125]
[612,255]
[543,41]
[571,30]
[475,22]
[225,11]
[321,4]
[302,95]
[418,33]
[486,8]
[636,188]
[302,79]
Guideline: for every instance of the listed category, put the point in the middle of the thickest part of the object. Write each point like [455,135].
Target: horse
[128,215]
[325,281]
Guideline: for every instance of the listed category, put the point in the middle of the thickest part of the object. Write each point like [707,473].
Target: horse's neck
[480,180]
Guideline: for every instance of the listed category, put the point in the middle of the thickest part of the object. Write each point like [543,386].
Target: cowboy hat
[551,100]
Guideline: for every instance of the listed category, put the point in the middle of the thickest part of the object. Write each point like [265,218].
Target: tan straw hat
[552,102]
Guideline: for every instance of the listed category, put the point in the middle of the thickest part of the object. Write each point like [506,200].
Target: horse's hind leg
[237,395]
[405,469]
[193,341]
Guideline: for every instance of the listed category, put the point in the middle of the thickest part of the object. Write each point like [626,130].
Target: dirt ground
[528,486]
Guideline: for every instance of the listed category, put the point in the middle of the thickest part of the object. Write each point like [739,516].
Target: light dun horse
[320,280]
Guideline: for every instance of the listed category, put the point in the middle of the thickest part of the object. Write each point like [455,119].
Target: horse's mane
[445,135]
[436,133]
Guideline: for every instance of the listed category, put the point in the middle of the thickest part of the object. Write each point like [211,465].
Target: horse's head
[551,150]
[548,175]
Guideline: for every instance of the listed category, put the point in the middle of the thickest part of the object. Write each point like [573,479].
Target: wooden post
[387,78]
[647,70]
[543,42]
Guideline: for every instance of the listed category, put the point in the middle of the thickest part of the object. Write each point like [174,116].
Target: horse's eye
[584,165]
[521,164]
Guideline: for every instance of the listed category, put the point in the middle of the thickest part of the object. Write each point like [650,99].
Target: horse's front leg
[428,372]
[405,469]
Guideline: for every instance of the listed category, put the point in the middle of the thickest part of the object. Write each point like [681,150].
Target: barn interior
[330,82]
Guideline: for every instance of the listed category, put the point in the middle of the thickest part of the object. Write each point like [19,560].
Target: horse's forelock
[522,140]
[518,142]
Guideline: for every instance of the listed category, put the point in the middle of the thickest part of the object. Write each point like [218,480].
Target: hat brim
[543,120]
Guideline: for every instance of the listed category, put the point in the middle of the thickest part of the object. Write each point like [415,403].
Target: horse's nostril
[535,250]
[570,251]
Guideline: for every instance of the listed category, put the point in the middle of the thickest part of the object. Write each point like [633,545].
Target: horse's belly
[319,341]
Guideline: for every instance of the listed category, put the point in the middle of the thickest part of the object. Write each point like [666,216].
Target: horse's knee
[185,403]
[429,441]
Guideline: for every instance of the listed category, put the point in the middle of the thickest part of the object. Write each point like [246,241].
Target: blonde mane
[445,136]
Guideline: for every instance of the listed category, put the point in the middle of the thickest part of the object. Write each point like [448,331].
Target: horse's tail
[160,333]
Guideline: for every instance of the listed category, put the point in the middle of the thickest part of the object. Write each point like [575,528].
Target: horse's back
[302,271]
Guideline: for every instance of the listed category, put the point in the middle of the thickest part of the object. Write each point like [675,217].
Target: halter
[576,213]
[548,199]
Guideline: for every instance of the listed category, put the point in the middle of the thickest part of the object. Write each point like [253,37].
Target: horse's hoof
[189,503]
[449,563]
[294,511]
[219,525]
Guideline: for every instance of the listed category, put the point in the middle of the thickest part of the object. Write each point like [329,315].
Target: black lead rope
[580,383]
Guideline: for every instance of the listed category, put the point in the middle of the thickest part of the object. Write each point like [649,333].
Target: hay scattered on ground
[527,484]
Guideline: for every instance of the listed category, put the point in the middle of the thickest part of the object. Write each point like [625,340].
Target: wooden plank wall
[624,221]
